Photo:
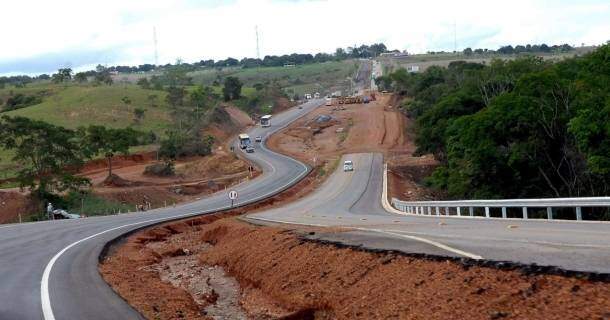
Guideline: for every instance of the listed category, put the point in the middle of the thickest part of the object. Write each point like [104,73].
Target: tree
[99,140]
[80,77]
[62,75]
[175,96]
[48,155]
[144,83]
[102,75]
[126,100]
[232,88]
[139,114]
[468,51]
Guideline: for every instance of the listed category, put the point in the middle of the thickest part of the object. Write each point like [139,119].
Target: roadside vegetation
[513,129]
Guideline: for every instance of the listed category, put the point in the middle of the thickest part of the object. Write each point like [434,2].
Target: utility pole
[258,55]
[155,44]
[455,37]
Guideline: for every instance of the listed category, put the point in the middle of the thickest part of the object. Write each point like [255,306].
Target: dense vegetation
[522,128]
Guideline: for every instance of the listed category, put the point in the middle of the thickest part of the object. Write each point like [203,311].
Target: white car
[249,149]
[258,139]
[348,165]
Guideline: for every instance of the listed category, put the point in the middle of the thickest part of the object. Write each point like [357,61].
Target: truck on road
[244,141]
[266,121]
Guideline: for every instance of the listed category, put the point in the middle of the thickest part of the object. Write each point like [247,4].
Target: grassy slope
[299,79]
[73,106]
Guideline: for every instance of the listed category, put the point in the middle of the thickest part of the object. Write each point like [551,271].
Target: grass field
[74,106]
[321,77]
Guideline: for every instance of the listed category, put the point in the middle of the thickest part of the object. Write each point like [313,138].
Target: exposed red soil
[322,281]
[125,268]
[13,204]
[374,127]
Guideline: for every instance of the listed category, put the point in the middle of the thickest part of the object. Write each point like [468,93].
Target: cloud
[120,32]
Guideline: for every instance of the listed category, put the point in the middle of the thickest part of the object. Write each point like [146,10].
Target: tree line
[362,51]
[513,129]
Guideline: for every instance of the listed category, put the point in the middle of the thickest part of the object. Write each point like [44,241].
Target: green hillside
[73,106]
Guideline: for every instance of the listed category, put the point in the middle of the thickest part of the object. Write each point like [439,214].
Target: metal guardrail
[440,207]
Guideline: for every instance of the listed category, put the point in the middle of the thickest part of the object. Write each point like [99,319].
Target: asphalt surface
[49,269]
[353,200]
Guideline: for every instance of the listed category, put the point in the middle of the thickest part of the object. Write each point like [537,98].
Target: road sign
[233,195]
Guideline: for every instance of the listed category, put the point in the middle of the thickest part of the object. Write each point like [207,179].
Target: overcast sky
[41,36]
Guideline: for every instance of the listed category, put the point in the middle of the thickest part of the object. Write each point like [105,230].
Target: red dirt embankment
[297,277]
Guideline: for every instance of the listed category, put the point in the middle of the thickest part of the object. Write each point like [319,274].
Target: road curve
[49,269]
[353,200]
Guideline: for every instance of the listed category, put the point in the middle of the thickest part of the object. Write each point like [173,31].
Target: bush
[19,101]
[164,169]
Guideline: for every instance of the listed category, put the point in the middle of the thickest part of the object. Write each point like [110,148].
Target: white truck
[348,165]
[244,141]
[266,121]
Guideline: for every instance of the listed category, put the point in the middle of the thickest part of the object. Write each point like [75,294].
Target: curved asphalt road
[353,200]
[49,269]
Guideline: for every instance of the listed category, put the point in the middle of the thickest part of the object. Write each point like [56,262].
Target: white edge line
[47,310]
[420,239]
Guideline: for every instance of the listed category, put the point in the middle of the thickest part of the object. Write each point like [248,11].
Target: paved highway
[49,269]
[353,200]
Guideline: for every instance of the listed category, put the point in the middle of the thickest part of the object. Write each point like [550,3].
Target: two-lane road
[353,200]
[49,269]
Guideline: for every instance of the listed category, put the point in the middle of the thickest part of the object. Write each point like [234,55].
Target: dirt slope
[294,278]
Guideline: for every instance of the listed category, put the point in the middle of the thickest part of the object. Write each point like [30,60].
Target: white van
[348,165]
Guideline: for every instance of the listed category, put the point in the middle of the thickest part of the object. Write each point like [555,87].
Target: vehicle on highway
[258,139]
[244,141]
[266,121]
[63,214]
[249,149]
[300,107]
[348,165]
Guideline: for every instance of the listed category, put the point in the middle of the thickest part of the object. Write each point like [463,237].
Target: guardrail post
[578,213]
[471,211]
[486,212]
[504,212]
[437,211]
[524,212]
[429,211]
[459,211]
[549,213]
[446,211]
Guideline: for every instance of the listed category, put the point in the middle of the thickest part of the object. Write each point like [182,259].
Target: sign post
[233,196]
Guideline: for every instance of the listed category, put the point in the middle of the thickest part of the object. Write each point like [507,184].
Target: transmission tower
[155,43]
[258,53]
[455,37]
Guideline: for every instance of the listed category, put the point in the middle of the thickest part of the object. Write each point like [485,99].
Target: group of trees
[509,49]
[20,100]
[521,128]
[49,155]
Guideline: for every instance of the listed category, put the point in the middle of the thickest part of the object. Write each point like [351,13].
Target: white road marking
[430,242]
[47,309]
[420,239]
